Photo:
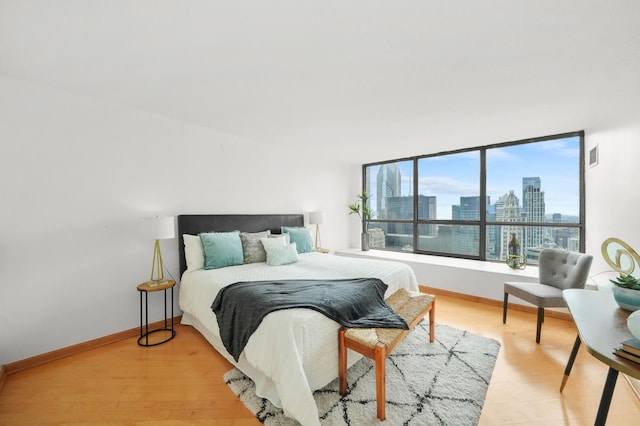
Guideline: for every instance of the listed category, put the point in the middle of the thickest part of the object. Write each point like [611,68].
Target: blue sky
[556,162]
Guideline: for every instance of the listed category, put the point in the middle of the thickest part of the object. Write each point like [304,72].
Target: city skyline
[457,175]
[464,239]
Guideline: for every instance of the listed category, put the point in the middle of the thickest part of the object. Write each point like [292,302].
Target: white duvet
[294,351]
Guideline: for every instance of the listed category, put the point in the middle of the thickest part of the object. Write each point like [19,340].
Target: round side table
[146,288]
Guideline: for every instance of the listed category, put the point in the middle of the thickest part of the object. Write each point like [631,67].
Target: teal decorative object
[626,298]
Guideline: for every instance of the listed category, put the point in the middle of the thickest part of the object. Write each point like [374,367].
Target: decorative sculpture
[626,258]
[626,287]
[514,259]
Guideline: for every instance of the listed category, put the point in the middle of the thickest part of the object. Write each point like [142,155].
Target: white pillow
[193,252]
[274,241]
[286,237]
[282,255]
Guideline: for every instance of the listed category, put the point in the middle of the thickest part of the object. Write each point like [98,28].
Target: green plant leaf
[355,208]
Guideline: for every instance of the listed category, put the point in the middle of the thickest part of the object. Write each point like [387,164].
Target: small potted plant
[626,291]
[362,209]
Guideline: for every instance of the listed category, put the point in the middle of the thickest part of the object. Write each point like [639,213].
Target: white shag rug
[439,383]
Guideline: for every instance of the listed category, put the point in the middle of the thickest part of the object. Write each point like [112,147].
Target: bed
[294,351]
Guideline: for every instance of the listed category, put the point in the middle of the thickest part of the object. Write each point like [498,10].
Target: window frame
[482,222]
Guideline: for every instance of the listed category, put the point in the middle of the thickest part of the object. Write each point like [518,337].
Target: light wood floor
[180,382]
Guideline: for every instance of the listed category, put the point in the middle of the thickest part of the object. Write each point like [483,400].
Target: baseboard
[14,367]
[492,302]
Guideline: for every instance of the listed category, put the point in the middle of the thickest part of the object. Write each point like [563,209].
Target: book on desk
[629,349]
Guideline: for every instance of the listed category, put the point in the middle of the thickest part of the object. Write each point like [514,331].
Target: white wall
[613,202]
[76,175]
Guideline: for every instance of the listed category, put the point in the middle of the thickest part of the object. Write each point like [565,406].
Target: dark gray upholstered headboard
[194,224]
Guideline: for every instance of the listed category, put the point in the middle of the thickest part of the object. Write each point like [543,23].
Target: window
[448,221]
[391,188]
[472,203]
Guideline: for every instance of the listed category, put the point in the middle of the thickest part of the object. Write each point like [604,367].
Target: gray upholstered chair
[558,270]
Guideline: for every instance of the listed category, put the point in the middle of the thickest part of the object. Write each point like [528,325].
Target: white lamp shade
[316,218]
[160,228]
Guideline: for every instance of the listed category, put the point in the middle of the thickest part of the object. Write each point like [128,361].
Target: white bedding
[295,351]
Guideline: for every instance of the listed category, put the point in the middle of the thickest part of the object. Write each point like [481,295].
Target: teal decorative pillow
[221,249]
[282,255]
[252,247]
[301,236]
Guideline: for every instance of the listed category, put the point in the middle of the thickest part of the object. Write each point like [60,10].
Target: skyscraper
[508,210]
[529,184]
[533,210]
[466,237]
[389,184]
[428,209]
[469,209]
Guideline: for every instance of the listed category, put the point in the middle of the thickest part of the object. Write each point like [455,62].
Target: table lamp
[161,228]
[316,218]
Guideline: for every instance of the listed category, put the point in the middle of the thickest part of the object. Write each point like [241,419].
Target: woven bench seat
[379,343]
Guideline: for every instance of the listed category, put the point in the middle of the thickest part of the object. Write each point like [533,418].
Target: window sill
[529,273]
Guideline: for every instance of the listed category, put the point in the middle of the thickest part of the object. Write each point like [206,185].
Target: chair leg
[539,324]
[381,379]
[504,308]
[342,363]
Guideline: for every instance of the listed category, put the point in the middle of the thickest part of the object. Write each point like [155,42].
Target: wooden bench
[379,343]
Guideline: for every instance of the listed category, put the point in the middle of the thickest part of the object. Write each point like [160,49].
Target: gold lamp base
[317,246]
[157,269]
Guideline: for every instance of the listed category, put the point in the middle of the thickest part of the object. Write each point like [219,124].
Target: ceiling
[359,80]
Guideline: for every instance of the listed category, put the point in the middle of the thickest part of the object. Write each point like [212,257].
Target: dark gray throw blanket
[356,303]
